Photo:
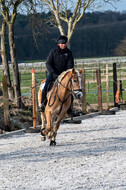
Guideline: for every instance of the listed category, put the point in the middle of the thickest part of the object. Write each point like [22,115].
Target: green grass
[91,88]
[91,92]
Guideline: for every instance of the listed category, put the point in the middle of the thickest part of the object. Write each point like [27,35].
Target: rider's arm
[50,64]
[70,63]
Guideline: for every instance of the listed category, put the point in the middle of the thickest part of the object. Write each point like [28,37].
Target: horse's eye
[75,80]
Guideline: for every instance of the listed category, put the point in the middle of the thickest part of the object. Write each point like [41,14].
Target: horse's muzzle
[78,93]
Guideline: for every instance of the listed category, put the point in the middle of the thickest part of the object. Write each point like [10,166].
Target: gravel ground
[90,155]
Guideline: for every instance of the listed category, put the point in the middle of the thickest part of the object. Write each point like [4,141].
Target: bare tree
[70,12]
[9,10]
[3,53]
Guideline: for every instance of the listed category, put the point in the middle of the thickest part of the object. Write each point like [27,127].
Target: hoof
[42,130]
[52,143]
[43,138]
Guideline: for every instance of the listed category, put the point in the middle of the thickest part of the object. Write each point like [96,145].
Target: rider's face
[62,46]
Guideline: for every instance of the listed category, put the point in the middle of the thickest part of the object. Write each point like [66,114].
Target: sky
[100,5]
[120,6]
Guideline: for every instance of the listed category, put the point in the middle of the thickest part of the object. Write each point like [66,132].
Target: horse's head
[76,83]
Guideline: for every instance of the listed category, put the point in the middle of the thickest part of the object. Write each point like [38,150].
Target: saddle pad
[42,86]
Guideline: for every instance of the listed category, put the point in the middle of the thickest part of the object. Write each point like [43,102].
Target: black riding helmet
[62,40]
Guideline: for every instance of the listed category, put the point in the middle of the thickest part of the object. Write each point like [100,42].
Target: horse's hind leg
[43,137]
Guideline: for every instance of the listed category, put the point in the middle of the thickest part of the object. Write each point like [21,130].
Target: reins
[67,89]
[64,100]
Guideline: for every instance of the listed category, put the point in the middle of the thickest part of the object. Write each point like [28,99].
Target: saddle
[49,86]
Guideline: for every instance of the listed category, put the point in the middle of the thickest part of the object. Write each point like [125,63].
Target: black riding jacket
[59,60]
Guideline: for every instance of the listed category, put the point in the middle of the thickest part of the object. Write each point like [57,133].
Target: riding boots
[43,102]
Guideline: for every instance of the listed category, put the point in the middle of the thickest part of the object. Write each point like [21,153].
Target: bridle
[78,90]
[72,92]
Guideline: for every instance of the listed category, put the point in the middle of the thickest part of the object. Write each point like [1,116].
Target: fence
[92,83]
[92,86]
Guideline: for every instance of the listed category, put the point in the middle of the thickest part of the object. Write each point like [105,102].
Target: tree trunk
[68,45]
[6,104]
[5,60]
[16,77]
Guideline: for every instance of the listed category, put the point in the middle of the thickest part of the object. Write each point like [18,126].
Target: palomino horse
[58,102]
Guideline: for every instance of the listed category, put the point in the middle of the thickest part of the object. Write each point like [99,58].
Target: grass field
[91,83]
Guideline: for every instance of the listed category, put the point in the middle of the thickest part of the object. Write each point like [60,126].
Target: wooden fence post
[114,84]
[34,100]
[107,88]
[36,104]
[98,76]
[120,90]
[84,92]
[6,104]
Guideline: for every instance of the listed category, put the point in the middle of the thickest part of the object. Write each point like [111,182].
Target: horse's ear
[73,70]
[80,71]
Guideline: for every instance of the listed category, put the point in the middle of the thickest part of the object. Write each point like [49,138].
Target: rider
[59,59]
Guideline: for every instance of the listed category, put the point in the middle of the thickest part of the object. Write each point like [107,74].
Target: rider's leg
[43,101]
[44,92]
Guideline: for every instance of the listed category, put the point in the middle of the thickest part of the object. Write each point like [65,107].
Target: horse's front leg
[52,141]
[53,118]
[48,129]
[55,129]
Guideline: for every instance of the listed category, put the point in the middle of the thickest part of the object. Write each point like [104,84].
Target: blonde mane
[62,75]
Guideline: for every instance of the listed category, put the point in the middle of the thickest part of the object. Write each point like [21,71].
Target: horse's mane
[63,74]
[60,77]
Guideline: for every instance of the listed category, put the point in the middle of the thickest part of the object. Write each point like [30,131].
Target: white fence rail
[105,60]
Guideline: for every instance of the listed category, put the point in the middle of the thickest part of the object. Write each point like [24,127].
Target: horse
[59,99]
